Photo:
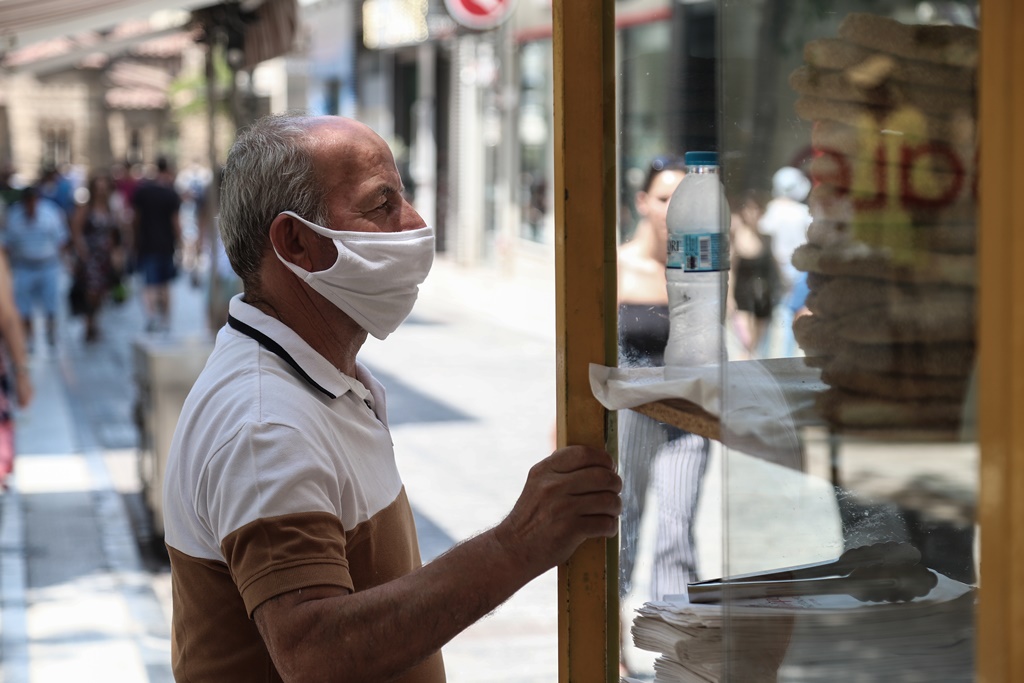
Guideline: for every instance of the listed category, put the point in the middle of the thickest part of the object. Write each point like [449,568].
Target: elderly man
[292,545]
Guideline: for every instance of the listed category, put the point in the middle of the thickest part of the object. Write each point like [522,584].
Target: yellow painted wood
[1001,332]
[585,212]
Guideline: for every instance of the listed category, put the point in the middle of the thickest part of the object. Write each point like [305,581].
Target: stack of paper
[813,638]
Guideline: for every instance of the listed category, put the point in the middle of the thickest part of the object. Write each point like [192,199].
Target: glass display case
[809,508]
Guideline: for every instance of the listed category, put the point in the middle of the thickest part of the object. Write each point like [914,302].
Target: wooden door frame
[585,178]
[583,46]
[1000,617]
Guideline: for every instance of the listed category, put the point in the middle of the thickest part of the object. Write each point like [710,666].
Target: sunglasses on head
[662,162]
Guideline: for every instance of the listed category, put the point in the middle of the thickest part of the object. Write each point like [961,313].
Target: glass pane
[667,105]
[841,422]
[857,123]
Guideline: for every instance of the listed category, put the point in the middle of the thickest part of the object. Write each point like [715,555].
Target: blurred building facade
[467,112]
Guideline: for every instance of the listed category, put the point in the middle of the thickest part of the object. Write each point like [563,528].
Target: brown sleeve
[272,556]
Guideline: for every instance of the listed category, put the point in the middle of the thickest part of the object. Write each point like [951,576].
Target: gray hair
[268,170]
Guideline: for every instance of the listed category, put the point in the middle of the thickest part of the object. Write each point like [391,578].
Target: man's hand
[570,496]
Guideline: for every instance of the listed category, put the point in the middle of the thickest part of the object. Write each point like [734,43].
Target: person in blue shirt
[36,234]
[59,189]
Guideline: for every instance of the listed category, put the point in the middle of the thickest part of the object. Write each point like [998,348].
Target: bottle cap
[701,158]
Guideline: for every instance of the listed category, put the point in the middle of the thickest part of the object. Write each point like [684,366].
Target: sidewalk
[78,602]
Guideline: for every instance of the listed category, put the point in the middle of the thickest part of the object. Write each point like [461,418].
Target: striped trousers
[671,463]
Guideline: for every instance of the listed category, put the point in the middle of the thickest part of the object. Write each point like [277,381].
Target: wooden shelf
[685,415]
[800,386]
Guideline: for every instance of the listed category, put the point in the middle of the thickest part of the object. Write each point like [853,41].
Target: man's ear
[295,242]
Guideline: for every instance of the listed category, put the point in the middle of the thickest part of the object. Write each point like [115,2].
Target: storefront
[657,43]
[469,112]
[882,451]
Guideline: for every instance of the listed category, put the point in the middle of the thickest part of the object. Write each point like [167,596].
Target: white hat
[792,183]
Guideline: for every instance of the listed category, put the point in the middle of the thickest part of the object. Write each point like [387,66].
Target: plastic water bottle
[698,264]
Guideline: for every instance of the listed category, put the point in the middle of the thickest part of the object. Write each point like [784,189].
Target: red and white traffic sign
[480,14]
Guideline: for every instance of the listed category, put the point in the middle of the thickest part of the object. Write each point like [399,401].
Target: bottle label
[675,252]
[703,252]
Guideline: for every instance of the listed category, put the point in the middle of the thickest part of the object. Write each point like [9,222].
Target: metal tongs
[882,572]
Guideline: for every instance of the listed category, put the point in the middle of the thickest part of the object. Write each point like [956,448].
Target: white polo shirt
[281,476]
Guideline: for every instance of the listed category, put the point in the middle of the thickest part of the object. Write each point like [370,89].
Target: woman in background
[652,454]
[755,283]
[95,231]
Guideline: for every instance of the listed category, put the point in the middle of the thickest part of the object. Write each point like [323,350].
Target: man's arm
[326,634]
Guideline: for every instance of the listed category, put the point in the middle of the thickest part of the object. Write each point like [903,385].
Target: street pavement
[84,585]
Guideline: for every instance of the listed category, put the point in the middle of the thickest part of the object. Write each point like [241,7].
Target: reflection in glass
[845,461]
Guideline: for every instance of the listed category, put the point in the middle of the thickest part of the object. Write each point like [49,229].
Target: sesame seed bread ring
[834,53]
[825,233]
[843,85]
[904,323]
[857,260]
[816,336]
[900,387]
[939,44]
[945,167]
[846,295]
[930,360]
[936,237]
[958,130]
[861,140]
[849,409]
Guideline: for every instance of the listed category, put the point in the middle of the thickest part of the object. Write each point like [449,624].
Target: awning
[271,31]
[23,22]
[92,49]
[269,25]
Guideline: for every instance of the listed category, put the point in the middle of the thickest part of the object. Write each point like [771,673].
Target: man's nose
[411,219]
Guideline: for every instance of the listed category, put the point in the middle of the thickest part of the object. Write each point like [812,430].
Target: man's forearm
[377,634]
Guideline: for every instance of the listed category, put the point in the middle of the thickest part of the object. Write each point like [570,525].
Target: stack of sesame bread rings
[890,254]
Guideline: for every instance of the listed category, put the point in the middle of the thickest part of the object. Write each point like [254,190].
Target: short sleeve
[272,500]
[274,556]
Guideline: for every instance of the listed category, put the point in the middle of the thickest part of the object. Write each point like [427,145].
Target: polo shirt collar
[280,339]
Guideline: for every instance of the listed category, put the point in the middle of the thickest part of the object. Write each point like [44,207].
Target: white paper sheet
[755,415]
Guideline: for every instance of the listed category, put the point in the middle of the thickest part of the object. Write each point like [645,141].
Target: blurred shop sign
[394,23]
[480,14]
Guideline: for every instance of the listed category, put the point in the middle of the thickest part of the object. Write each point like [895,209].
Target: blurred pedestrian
[191,184]
[10,191]
[15,381]
[35,237]
[157,237]
[292,542]
[755,283]
[785,220]
[95,233]
[125,183]
[59,189]
[653,455]
[222,282]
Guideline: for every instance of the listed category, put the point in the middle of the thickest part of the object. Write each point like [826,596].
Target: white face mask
[376,277]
